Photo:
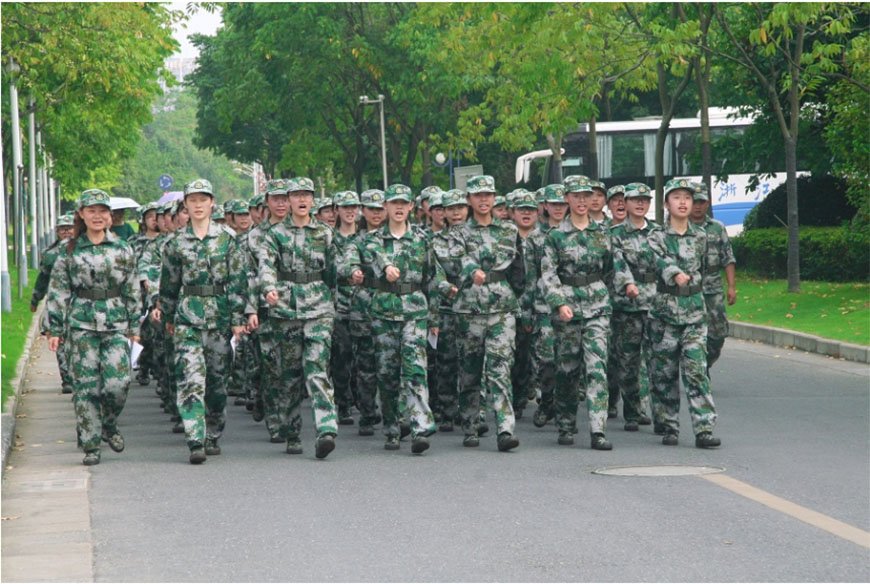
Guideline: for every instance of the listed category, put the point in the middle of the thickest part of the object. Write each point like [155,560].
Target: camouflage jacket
[256,236]
[677,253]
[421,275]
[451,265]
[534,298]
[106,267]
[352,258]
[49,256]
[494,249]
[344,290]
[214,261]
[290,252]
[719,255]
[633,263]
[571,253]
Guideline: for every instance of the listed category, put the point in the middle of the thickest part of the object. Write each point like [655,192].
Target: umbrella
[117,203]
[171,196]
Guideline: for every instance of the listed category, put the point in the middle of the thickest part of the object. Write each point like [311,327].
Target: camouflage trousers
[675,349]
[269,386]
[400,347]
[202,361]
[717,326]
[486,351]
[365,369]
[543,347]
[301,350]
[172,375]
[63,360]
[146,357]
[100,367]
[581,355]
[522,373]
[341,364]
[446,380]
[625,361]
[245,369]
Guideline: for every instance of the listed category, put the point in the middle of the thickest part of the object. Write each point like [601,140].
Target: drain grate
[659,470]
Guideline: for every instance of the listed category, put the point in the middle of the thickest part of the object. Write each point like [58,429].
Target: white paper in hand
[433,340]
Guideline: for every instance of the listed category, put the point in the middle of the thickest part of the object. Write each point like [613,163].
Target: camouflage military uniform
[202,293]
[93,304]
[295,264]
[402,312]
[678,331]
[446,382]
[40,288]
[246,357]
[572,270]
[341,360]
[719,255]
[486,318]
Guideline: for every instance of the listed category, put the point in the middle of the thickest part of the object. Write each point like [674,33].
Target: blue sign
[165,182]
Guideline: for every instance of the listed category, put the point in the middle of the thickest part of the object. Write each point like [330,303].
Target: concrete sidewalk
[46,527]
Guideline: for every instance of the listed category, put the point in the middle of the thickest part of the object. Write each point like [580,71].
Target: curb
[811,343]
[7,420]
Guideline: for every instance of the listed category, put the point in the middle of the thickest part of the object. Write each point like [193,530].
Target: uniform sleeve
[170,281]
[437,284]
[349,261]
[468,265]
[527,300]
[131,294]
[556,294]
[622,275]
[666,264]
[268,262]
[59,293]
[237,292]
[516,271]
[369,252]
[41,286]
[331,272]
[252,302]
[726,253]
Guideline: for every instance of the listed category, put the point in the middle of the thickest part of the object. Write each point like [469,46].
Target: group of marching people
[421,313]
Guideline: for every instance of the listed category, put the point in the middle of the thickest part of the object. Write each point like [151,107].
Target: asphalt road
[792,424]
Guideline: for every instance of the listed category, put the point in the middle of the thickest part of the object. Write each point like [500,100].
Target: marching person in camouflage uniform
[616,205]
[244,371]
[524,208]
[93,305]
[147,232]
[437,224]
[404,308]
[719,256]
[324,211]
[596,201]
[634,286]
[293,273]
[64,230]
[490,279]
[677,325]
[202,296]
[577,255]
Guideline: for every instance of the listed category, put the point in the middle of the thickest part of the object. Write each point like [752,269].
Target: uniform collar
[111,238]
[476,224]
[567,227]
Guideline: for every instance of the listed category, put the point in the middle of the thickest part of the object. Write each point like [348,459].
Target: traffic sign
[165,182]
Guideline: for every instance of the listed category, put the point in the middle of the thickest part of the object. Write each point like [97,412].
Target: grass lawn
[13,327]
[838,311]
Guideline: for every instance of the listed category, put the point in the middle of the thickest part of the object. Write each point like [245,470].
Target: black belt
[369,282]
[453,280]
[580,279]
[681,290]
[98,293]
[643,277]
[204,290]
[399,288]
[494,276]
[263,312]
[300,277]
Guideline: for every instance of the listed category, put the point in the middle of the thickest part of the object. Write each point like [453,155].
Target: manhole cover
[660,470]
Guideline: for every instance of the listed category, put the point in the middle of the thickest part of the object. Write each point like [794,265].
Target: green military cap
[276,187]
[636,190]
[577,183]
[322,202]
[175,206]
[66,220]
[701,193]
[453,197]
[428,192]
[217,212]
[679,183]
[499,200]
[199,185]
[481,184]
[161,208]
[554,194]
[436,199]
[240,207]
[228,205]
[597,184]
[539,196]
[93,197]
[398,192]
[300,184]
[615,190]
[257,201]
[372,198]
[276,183]
[523,199]
[345,199]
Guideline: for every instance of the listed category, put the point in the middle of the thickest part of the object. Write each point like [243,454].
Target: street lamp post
[364,99]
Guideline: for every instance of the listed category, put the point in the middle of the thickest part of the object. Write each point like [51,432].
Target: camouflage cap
[679,183]
[257,201]
[436,199]
[276,183]
[277,187]
[372,198]
[615,190]
[228,205]
[523,199]
[323,202]
[240,207]
[499,200]
[199,185]
[66,220]
[398,192]
[93,197]
[480,184]
[162,208]
[539,196]
[427,193]
[636,190]
[577,183]
[217,212]
[345,199]
[300,184]
[554,194]
[597,184]
[701,193]
[453,197]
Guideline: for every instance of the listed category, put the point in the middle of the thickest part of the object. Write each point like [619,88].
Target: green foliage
[833,254]
[822,201]
[167,147]
[93,70]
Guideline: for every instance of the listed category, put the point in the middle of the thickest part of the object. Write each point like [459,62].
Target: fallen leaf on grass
[824,316]
[793,305]
[789,315]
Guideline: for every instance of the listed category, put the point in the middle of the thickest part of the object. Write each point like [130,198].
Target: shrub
[821,202]
[832,254]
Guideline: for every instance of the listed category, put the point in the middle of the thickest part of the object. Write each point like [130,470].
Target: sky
[200,23]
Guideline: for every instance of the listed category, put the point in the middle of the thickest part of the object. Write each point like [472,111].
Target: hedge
[821,199]
[831,254]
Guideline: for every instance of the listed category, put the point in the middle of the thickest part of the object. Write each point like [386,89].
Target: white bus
[626,153]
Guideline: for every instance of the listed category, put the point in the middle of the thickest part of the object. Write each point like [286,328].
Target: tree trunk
[554,141]
[793,263]
[661,136]
[425,157]
[593,149]
[703,77]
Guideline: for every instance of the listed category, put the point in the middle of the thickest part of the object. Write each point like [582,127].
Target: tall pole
[255,174]
[383,141]
[44,225]
[13,68]
[33,219]
[5,282]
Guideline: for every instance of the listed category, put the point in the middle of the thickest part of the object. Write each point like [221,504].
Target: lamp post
[442,161]
[364,99]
